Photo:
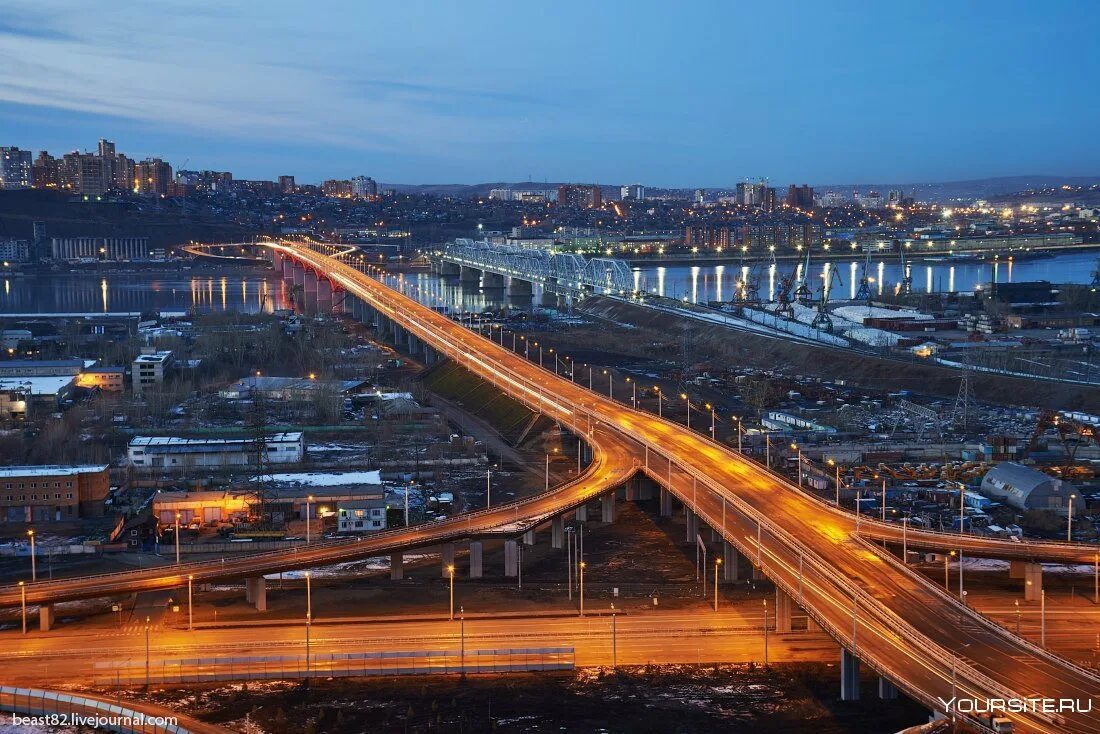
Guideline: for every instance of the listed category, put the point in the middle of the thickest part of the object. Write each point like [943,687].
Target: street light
[309,616]
[712,419]
[765,633]
[177,538]
[946,559]
[23,595]
[1043,617]
[717,565]
[1017,603]
[1069,519]
[687,402]
[451,572]
[795,447]
[614,641]
[660,409]
[190,618]
[146,652]
[582,567]
[309,500]
[34,558]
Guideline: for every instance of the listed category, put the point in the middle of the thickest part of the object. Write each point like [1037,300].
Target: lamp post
[34,556]
[309,616]
[660,408]
[451,573]
[905,539]
[1043,617]
[582,566]
[717,565]
[833,463]
[177,538]
[190,617]
[946,560]
[712,420]
[462,638]
[687,402]
[798,466]
[1069,519]
[146,652]
[614,641]
[309,502]
[23,598]
[765,633]
[488,487]
[740,430]
[767,451]
[1017,603]
[610,384]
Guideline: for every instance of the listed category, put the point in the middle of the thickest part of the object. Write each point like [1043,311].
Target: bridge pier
[529,537]
[299,274]
[492,281]
[782,611]
[309,289]
[255,592]
[1033,581]
[582,513]
[448,268]
[476,554]
[517,287]
[731,563]
[324,296]
[666,502]
[557,532]
[397,566]
[607,507]
[447,556]
[511,559]
[849,676]
[468,275]
[46,617]
[692,525]
[887,691]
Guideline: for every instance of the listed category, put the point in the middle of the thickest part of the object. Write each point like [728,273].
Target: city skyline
[427,94]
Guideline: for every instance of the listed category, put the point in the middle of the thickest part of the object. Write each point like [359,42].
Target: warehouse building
[52,493]
[168,453]
[1025,488]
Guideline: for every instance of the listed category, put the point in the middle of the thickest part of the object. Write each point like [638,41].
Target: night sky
[666,94]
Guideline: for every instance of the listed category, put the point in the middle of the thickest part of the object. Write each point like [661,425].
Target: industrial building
[171,453]
[287,389]
[1025,488]
[150,368]
[107,379]
[50,493]
[119,249]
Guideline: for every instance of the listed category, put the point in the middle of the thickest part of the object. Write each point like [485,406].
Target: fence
[333,665]
[72,709]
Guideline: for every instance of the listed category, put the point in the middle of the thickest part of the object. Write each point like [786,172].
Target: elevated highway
[883,615]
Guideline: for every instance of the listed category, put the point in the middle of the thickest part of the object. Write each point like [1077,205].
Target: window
[358,523]
[34,497]
[57,496]
[68,484]
[69,496]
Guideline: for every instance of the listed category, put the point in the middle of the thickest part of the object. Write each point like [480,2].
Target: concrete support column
[887,691]
[1033,581]
[692,524]
[715,535]
[607,507]
[259,593]
[757,573]
[493,281]
[476,551]
[249,591]
[582,513]
[849,676]
[447,556]
[731,562]
[529,537]
[309,289]
[45,617]
[299,274]
[469,275]
[397,566]
[517,287]
[666,503]
[646,487]
[511,559]
[324,296]
[557,532]
[782,611]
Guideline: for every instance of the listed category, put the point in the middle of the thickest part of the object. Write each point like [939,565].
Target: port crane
[822,320]
[803,294]
[863,293]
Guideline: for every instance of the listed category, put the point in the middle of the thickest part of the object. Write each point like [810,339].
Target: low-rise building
[203,506]
[107,379]
[149,368]
[43,367]
[169,453]
[287,389]
[361,516]
[52,493]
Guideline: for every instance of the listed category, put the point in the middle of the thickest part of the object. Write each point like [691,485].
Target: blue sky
[667,94]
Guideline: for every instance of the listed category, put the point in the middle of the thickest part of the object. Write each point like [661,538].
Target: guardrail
[334,665]
[67,706]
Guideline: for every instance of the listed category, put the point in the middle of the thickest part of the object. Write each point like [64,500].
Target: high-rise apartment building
[82,173]
[15,168]
[632,192]
[46,172]
[582,195]
[364,187]
[151,177]
[286,184]
[800,197]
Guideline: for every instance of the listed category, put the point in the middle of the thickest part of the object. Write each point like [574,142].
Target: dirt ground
[682,699]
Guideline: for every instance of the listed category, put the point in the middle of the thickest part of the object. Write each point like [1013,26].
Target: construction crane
[822,320]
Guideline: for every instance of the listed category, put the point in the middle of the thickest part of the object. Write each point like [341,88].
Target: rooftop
[163,441]
[50,470]
[50,385]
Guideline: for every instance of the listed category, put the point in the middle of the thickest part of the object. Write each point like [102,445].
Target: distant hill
[942,191]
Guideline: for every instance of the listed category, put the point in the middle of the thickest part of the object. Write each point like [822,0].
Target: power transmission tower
[963,401]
